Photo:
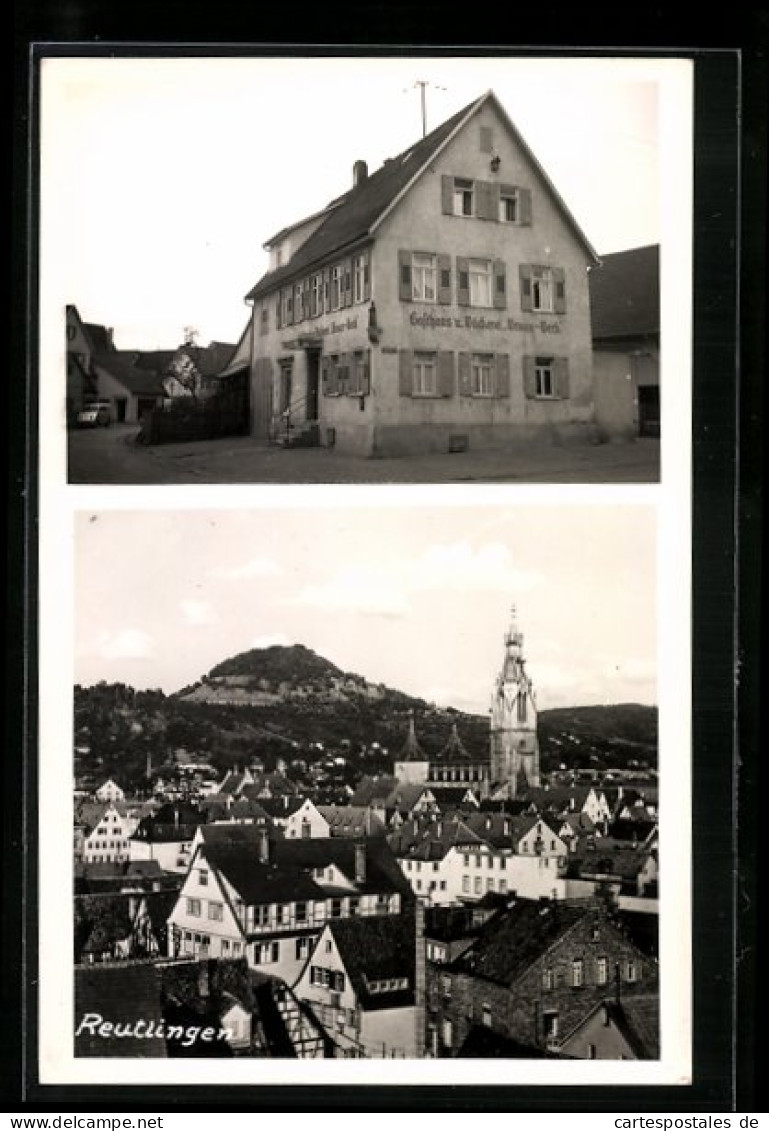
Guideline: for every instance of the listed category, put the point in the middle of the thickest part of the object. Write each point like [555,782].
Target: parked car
[95,415]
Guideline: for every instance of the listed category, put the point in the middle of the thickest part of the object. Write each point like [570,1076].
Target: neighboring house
[297,816]
[167,836]
[132,392]
[268,900]
[440,303]
[628,870]
[625,306]
[109,791]
[104,833]
[361,981]
[624,1029]
[561,801]
[533,973]
[351,821]
[83,340]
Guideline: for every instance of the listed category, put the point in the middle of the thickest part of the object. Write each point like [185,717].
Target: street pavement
[111,456]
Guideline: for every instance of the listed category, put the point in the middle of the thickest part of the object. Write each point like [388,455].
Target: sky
[415,597]
[163,178]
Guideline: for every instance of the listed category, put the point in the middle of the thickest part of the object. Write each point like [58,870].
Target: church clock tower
[514,751]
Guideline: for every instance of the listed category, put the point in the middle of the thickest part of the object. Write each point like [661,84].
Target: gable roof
[625,294]
[351,820]
[140,382]
[375,948]
[353,217]
[99,337]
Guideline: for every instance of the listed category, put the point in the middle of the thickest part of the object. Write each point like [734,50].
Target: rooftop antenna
[422,83]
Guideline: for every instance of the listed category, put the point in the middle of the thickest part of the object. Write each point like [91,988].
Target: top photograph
[352,270]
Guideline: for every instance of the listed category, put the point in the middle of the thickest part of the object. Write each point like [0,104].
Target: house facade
[441,303]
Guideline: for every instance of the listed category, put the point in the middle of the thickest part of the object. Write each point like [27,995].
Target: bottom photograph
[366,782]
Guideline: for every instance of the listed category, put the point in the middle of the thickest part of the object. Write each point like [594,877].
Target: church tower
[411,764]
[514,753]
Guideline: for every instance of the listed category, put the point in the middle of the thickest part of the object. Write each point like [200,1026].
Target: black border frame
[729,276]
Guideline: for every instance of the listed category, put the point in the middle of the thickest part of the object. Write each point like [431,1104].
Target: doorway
[313,380]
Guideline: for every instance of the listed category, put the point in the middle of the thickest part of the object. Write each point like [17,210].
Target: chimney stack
[264,846]
[359,173]
[360,863]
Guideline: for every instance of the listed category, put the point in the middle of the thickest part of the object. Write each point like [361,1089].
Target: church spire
[411,750]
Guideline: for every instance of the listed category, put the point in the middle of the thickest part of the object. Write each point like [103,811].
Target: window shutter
[447,195]
[529,378]
[278,314]
[345,373]
[444,279]
[502,385]
[524,272]
[500,284]
[306,297]
[463,281]
[487,139]
[559,279]
[332,382]
[404,276]
[446,373]
[561,366]
[347,283]
[524,206]
[405,373]
[327,289]
[367,276]
[465,387]
[365,377]
[487,200]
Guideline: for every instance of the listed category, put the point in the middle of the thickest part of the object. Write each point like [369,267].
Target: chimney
[359,173]
[360,863]
[263,849]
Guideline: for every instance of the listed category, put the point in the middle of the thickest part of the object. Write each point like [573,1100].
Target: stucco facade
[459,318]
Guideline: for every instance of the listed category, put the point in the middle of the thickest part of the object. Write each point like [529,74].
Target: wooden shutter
[346,283]
[326,297]
[366,276]
[444,279]
[524,206]
[306,298]
[561,368]
[502,382]
[365,374]
[500,284]
[447,195]
[529,377]
[463,281]
[446,373]
[465,385]
[487,139]
[559,288]
[404,276]
[405,373]
[524,272]
[325,376]
[278,314]
[486,200]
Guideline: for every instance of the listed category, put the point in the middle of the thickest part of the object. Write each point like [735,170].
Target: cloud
[254,567]
[198,612]
[276,640]
[128,644]
[460,565]
[363,590]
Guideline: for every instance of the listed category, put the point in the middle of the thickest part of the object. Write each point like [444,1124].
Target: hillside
[291,703]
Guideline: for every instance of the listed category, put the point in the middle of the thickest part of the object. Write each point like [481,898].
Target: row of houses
[448,299]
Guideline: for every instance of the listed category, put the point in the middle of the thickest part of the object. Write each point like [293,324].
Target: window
[225,946]
[266,953]
[464,197]
[284,913]
[336,287]
[577,971]
[261,916]
[329,946]
[316,295]
[447,1033]
[630,972]
[548,980]
[550,1021]
[216,911]
[478,885]
[298,303]
[360,278]
[443,885]
[544,377]
[591,1052]
[482,374]
[481,278]
[202,877]
[193,907]
[301,912]
[335,909]
[264,323]
[601,971]
[236,946]
[303,947]
[425,375]
[423,277]
[509,208]
[490,884]
[486,1014]
[287,307]
[465,883]
[542,290]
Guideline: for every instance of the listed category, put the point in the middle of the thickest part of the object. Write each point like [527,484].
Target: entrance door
[286,382]
[649,410]
[120,409]
[313,379]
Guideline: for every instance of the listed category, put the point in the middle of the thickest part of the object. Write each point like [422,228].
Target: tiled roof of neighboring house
[422,838]
[154,361]
[636,1016]
[607,856]
[258,883]
[642,928]
[219,808]
[214,358]
[635,829]
[405,796]
[170,824]
[281,807]
[450,797]
[482,1041]
[579,822]
[356,212]
[519,937]
[99,337]
[101,921]
[451,923]
[139,382]
[125,994]
[382,870]
[625,294]
[275,783]
[375,949]
[370,789]
[351,820]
